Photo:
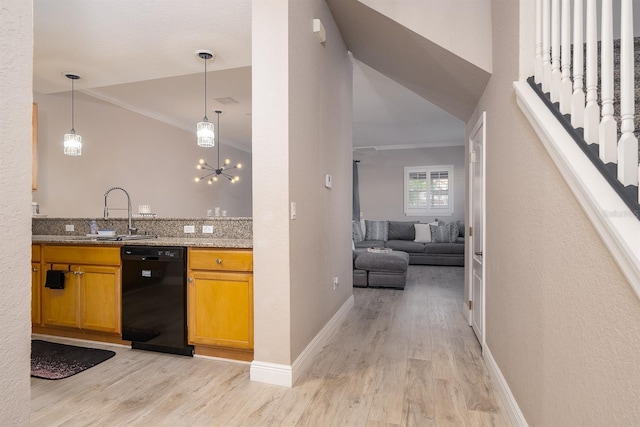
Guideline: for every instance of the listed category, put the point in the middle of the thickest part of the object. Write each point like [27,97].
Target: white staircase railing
[555,52]
[607,192]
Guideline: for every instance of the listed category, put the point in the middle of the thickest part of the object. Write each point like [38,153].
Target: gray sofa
[401,236]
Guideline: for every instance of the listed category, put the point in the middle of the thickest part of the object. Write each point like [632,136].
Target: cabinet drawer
[220,259]
[81,255]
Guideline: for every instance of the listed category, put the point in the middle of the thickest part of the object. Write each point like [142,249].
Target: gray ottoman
[360,278]
[385,270]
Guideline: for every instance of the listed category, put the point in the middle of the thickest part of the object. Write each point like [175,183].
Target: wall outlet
[207,229]
[69,227]
[336,283]
[189,228]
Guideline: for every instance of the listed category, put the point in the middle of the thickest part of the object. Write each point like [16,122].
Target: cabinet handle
[78,273]
[34,270]
[190,279]
[219,261]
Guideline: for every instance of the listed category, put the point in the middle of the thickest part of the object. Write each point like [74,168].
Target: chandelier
[221,170]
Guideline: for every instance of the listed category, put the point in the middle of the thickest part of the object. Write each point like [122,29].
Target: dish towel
[55,279]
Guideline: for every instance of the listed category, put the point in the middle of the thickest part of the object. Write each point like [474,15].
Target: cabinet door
[36,279]
[60,306]
[220,309]
[99,297]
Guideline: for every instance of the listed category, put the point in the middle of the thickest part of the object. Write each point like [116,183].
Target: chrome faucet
[106,208]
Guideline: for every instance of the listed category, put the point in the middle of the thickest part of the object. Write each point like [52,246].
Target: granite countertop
[197,242]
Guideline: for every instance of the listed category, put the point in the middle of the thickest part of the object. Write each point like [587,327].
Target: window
[428,190]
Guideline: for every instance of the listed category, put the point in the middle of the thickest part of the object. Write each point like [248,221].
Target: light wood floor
[401,358]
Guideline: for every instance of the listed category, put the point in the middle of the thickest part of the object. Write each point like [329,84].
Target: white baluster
[628,145]
[565,85]
[538,73]
[608,124]
[592,110]
[577,98]
[546,47]
[556,76]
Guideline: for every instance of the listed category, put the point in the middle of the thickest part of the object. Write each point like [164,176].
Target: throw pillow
[423,233]
[402,230]
[454,231]
[377,230]
[440,233]
[356,232]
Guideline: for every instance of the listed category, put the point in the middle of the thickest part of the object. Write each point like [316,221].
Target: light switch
[293,210]
[189,229]
[319,30]
[328,181]
[69,227]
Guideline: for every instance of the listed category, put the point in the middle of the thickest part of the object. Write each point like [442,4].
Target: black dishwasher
[154,294]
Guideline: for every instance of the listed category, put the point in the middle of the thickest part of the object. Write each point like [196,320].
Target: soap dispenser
[93,225]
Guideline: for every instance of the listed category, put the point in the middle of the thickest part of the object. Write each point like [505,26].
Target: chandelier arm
[208,175]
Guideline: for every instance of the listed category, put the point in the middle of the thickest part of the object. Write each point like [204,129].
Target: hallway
[400,358]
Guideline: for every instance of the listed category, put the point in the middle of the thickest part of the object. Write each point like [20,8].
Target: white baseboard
[287,375]
[508,400]
[271,373]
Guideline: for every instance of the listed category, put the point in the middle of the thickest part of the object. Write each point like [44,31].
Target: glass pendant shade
[206,134]
[72,144]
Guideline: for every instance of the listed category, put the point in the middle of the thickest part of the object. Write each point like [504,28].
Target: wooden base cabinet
[220,300]
[90,299]
[36,283]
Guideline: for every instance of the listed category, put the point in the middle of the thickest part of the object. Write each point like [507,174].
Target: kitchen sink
[122,237]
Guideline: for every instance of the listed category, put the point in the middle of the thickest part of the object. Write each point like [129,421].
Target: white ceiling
[140,55]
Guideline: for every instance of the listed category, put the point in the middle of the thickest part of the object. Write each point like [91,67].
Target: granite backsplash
[223,227]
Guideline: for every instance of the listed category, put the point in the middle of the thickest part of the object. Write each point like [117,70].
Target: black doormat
[53,361]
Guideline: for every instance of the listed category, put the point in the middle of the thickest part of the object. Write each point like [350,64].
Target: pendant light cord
[205,90]
[73,127]
[218,137]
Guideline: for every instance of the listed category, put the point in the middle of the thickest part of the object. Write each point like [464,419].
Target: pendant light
[205,131]
[72,141]
[220,170]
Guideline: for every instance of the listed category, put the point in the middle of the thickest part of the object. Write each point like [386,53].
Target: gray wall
[302,102]
[381,181]
[153,161]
